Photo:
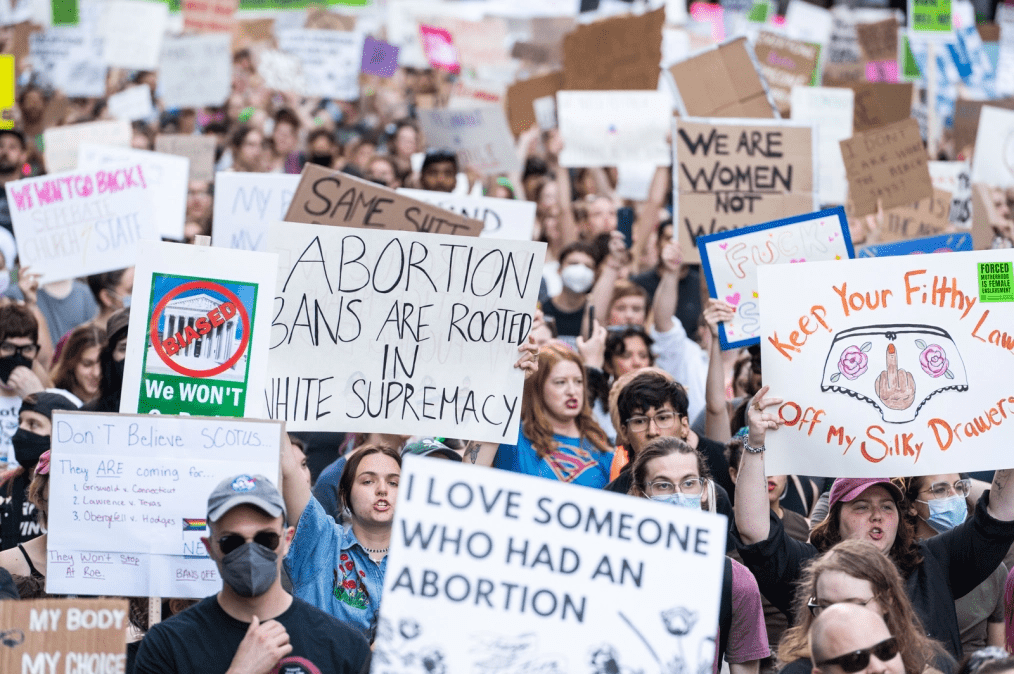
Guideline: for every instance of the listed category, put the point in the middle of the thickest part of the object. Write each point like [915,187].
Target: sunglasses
[858,660]
[269,539]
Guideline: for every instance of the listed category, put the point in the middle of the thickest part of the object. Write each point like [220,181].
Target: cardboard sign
[926,217]
[885,369]
[602,592]
[956,178]
[320,17]
[479,136]
[250,32]
[886,165]
[129,499]
[165,176]
[61,142]
[512,219]
[131,32]
[830,111]
[966,120]
[945,243]
[331,60]
[209,16]
[57,635]
[78,223]
[440,351]
[200,150]
[606,128]
[522,95]
[329,197]
[721,81]
[785,63]
[379,58]
[987,221]
[730,261]
[879,104]
[730,174]
[245,204]
[618,53]
[132,104]
[203,347]
[879,41]
[439,48]
[994,148]
[196,70]
[70,58]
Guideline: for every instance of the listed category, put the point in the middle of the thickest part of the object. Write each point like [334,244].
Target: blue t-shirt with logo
[574,460]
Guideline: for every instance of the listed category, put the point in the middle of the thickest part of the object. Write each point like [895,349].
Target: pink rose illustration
[933,360]
[349,584]
[853,362]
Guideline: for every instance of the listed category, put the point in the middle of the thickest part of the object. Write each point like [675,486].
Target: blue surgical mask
[946,513]
[679,499]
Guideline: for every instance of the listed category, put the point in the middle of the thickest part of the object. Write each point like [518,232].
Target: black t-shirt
[18,520]
[568,324]
[204,639]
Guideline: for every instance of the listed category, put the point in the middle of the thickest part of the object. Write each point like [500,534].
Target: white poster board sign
[195,70]
[78,223]
[69,58]
[166,176]
[281,71]
[131,32]
[246,204]
[889,366]
[830,112]
[480,136]
[426,324]
[61,142]
[993,160]
[606,128]
[132,104]
[955,177]
[129,499]
[331,60]
[501,218]
[549,576]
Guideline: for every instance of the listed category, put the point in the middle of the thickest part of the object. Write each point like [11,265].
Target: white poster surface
[331,60]
[993,160]
[1005,62]
[132,104]
[545,112]
[633,181]
[548,577]
[246,204]
[830,112]
[129,499]
[61,142]
[890,366]
[281,71]
[480,136]
[399,332]
[606,128]
[69,58]
[808,22]
[501,218]
[81,222]
[131,32]
[195,70]
[956,178]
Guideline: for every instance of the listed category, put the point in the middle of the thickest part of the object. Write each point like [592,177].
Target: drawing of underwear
[895,368]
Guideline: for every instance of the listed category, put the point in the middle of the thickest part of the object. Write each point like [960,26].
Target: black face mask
[8,363]
[118,370]
[321,159]
[28,446]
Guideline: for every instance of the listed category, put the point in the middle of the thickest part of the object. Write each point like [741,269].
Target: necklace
[375,552]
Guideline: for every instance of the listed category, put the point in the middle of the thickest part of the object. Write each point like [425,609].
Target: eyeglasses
[691,487]
[858,660]
[269,539]
[816,607]
[29,351]
[943,490]
[661,419]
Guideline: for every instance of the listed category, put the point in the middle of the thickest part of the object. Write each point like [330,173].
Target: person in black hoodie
[111,358]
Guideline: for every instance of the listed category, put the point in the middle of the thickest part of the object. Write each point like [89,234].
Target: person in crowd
[853,640]
[27,562]
[13,155]
[439,171]
[19,349]
[382,169]
[989,660]
[200,209]
[111,359]
[628,305]
[404,142]
[937,570]
[668,470]
[112,291]
[77,369]
[252,624]
[322,148]
[581,290]
[285,156]
[248,154]
[325,490]
[690,305]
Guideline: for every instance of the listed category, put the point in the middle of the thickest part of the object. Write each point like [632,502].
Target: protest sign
[334,198]
[479,136]
[165,177]
[129,499]
[81,222]
[522,95]
[379,58]
[439,48]
[480,45]
[61,142]
[830,112]
[532,588]
[70,58]
[321,17]
[606,128]
[64,635]
[994,148]
[881,103]
[200,150]
[945,243]
[250,32]
[209,16]
[879,41]
[437,354]
[966,119]
[930,17]
[732,88]
[785,64]
[988,221]
[886,165]
[956,178]
[1005,60]
[926,217]
[806,21]
[246,203]
[203,348]
[195,71]
[617,53]
[330,59]
[281,71]
[131,104]
[131,32]
[735,173]
[501,218]
[730,260]
[633,181]
[889,366]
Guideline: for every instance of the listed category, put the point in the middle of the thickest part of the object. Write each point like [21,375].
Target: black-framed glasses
[943,490]
[29,351]
[230,542]
[816,607]
[661,419]
[692,486]
[858,660]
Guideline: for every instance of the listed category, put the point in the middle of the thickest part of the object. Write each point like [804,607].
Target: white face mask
[578,278]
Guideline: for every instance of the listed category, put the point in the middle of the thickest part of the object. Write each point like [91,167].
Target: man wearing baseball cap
[253,625]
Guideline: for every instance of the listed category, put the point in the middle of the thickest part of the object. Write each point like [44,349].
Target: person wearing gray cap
[253,626]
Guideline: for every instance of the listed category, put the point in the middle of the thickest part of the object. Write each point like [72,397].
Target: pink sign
[439,48]
[882,71]
[703,12]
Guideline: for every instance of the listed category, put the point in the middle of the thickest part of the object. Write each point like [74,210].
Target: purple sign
[379,58]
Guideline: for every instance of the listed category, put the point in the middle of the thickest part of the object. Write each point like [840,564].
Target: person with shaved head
[851,639]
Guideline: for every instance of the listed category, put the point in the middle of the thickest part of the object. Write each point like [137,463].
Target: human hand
[671,258]
[759,421]
[593,351]
[896,388]
[529,360]
[718,311]
[618,254]
[263,646]
[554,143]
[29,284]
[24,382]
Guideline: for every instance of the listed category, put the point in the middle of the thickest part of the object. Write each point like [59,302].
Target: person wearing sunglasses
[849,639]
[253,625]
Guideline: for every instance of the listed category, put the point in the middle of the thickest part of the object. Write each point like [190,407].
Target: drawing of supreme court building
[205,352]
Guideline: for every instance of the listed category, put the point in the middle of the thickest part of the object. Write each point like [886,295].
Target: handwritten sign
[730,261]
[329,197]
[131,32]
[785,63]
[994,148]
[601,555]
[501,218]
[956,178]
[830,112]
[210,16]
[281,71]
[331,60]
[439,47]
[195,71]
[132,104]
[61,142]
[203,349]
[889,366]
[77,223]
[606,128]
[886,165]
[930,17]
[479,136]
[245,204]
[200,150]
[926,217]
[70,58]
[735,173]
[945,243]
[437,353]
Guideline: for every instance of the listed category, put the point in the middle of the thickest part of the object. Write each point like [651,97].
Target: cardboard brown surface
[966,120]
[200,150]
[520,114]
[879,103]
[986,218]
[926,217]
[879,41]
[888,164]
[721,82]
[329,197]
[989,32]
[318,17]
[785,63]
[843,74]
[210,16]
[251,31]
[729,176]
[621,53]
[60,635]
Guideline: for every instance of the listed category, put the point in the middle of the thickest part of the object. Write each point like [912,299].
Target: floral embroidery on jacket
[349,587]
